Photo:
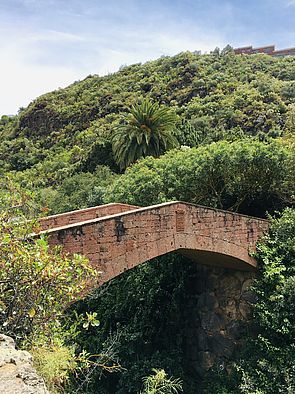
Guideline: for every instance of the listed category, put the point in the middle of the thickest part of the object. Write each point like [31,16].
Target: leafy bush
[55,364]
[266,365]
[78,191]
[244,176]
[37,283]
[144,310]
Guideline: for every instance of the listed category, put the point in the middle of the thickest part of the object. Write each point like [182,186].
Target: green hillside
[216,97]
[223,128]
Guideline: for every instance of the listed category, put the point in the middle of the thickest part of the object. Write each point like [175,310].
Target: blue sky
[46,44]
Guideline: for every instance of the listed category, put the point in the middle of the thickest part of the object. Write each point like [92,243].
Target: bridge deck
[109,211]
[128,235]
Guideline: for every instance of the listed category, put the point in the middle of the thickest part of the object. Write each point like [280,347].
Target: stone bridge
[118,237]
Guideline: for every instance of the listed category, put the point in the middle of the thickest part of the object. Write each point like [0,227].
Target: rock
[245,310]
[249,297]
[207,301]
[230,285]
[202,340]
[220,345]
[230,309]
[246,285]
[204,363]
[17,374]
[236,329]
[244,276]
[220,318]
[211,321]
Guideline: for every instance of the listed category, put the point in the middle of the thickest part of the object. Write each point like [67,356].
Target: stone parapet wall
[119,242]
[82,215]
[221,242]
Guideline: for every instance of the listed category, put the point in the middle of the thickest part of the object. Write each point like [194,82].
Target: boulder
[17,374]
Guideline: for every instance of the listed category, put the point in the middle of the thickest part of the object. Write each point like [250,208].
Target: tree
[273,351]
[145,131]
[246,176]
[228,49]
[37,285]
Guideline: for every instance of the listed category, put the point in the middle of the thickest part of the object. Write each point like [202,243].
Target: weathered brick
[117,237]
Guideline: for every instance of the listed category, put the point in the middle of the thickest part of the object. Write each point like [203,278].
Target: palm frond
[146,130]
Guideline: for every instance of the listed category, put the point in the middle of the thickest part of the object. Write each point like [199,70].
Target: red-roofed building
[268,50]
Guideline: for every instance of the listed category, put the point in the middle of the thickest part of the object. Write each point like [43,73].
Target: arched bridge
[118,237]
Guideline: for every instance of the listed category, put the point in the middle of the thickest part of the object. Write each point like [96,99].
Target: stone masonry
[217,317]
[82,215]
[121,241]
[118,237]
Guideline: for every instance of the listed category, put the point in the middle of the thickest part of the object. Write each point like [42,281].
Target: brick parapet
[72,217]
[118,242]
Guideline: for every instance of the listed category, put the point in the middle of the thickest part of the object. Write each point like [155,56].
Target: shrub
[55,365]
[266,365]
[37,282]
[160,383]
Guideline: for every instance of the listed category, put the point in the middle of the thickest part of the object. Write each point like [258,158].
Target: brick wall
[121,241]
[269,50]
[82,215]
[219,310]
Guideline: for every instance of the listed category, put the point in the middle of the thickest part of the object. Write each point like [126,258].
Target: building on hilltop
[268,50]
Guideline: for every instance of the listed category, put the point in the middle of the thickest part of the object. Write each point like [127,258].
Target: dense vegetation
[246,176]
[230,122]
[37,284]
[215,97]
[267,363]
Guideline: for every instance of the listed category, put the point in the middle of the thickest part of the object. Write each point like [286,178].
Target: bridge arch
[120,241]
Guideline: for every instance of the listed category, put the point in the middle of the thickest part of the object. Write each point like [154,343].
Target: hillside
[234,124]
[215,96]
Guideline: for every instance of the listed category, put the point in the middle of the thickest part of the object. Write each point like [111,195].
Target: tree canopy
[146,131]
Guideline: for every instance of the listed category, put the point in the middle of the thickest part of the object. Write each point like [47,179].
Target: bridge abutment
[218,315]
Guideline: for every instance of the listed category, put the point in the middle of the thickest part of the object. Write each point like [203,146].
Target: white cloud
[23,77]
[22,80]
[54,36]
[20,83]
[37,58]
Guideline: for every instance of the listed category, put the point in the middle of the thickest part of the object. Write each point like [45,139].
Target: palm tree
[145,131]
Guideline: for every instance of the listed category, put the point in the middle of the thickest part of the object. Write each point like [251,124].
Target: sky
[47,44]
